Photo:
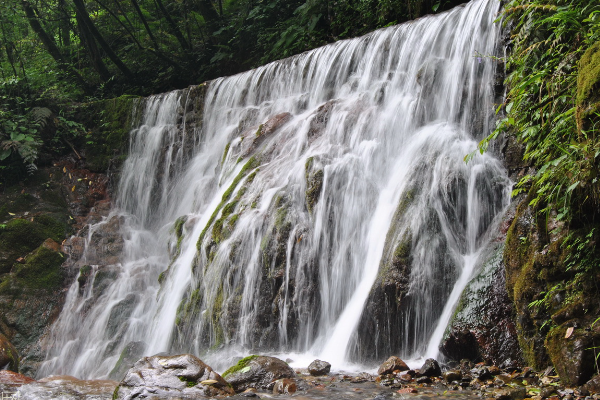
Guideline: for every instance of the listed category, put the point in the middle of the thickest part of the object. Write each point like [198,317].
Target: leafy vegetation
[548,41]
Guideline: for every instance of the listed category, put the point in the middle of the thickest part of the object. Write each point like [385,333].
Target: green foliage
[549,38]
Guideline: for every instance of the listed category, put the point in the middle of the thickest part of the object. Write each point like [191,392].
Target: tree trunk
[174,29]
[50,46]
[135,5]
[90,47]
[109,51]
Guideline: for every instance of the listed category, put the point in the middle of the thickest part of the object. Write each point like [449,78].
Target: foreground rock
[258,372]
[318,368]
[431,368]
[67,388]
[183,376]
[392,364]
[10,381]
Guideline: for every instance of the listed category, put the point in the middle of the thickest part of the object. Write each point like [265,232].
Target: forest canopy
[68,49]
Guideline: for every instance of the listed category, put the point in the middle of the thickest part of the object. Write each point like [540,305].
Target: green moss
[21,236]
[42,270]
[217,310]
[161,277]
[588,80]
[111,121]
[225,152]
[53,228]
[188,381]
[314,183]
[24,202]
[243,363]
[251,164]
[259,131]
[178,230]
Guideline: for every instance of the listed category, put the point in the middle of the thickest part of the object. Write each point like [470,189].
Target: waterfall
[260,212]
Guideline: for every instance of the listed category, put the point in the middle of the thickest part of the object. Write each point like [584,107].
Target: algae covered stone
[258,372]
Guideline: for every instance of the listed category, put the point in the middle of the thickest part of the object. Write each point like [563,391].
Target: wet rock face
[258,372]
[183,376]
[483,328]
[9,358]
[130,354]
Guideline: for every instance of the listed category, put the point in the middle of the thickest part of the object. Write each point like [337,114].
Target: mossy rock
[111,120]
[132,352]
[243,363]
[314,176]
[20,236]
[42,270]
[572,351]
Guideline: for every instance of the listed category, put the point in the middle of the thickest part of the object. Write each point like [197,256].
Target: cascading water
[272,220]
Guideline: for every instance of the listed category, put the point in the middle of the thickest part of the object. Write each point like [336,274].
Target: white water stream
[287,219]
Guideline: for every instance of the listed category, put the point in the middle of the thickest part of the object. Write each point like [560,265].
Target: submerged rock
[318,367]
[10,381]
[392,364]
[259,372]
[183,376]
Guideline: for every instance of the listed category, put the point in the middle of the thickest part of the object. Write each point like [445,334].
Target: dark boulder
[431,368]
[318,368]
[392,364]
[259,372]
[183,376]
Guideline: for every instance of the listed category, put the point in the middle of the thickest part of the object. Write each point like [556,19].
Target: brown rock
[51,245]
[9,358]
[407,390]
[593,385]
[284,386]
[391,364]
[13,378]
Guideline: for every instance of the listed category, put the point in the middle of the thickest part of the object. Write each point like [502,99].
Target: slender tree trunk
[91,48]
[174,29]
[211,17]
[137,8]
[50,46]
[65,29]
[156,52]
[109,51]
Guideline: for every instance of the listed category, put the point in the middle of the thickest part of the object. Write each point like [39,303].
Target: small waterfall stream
[257,212]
